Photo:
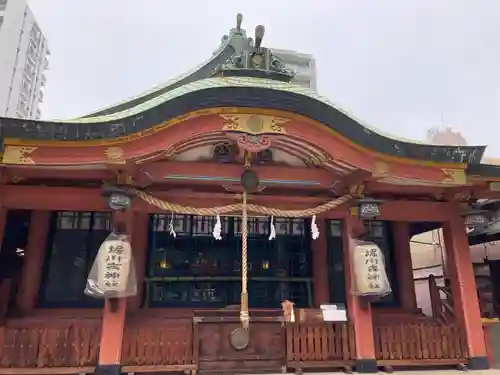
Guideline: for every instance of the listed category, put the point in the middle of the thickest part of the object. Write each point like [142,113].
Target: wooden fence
[158,345]
[422,344]
[320,345]
[72,344]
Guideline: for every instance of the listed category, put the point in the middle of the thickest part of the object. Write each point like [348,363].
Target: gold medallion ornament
[114,154]
[254,124]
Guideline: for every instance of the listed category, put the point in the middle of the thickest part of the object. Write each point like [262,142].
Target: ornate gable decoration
[252,60]
[251,131]
[254,124]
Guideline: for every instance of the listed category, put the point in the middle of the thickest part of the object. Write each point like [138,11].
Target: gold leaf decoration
[454,176]
[380,168]
[254,124]
[114,154]
[18,155]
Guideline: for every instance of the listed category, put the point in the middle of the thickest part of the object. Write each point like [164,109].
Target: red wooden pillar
[359,312]
[114,314]
[31,273]
[321,289]
[406,283]
[139,247]
[463,285]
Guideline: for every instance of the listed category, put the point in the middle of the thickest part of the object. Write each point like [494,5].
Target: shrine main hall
[241,199]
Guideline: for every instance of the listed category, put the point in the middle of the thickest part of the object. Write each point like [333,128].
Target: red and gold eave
[319,146]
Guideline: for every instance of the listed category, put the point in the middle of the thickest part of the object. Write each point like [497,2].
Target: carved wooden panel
[265,350]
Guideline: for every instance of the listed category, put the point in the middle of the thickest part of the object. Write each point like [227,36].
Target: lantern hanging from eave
[369,208]
[118,198]
[476,218]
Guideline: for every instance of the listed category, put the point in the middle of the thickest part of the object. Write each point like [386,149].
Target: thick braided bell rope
[244,315]
[232,208]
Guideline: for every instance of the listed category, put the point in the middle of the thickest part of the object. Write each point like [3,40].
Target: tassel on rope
[272,229]
[314,228]
[171,229]
[217,228]
[244,316]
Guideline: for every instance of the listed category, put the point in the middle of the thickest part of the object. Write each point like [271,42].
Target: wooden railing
[25,344]
[441,301]
[429,343]
[158,344]
[320,345]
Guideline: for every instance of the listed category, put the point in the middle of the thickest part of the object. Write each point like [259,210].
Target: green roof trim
[217,82]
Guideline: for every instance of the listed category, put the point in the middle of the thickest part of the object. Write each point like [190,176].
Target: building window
[299,67]
[35,34]
[26,88]
[22,105]
[72,246]
[29,70]
[3,6]
[1,19]
[194,270]
[32,51]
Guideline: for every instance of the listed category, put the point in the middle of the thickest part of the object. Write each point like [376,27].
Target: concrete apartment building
[23,61]
[303,64]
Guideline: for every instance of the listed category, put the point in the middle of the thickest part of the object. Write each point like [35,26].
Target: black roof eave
[484,170]
[252,97]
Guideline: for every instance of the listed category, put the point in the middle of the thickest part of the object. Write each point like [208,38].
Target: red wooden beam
[52,198]
[57,173]
[211,173]
[354,178]
[89,199]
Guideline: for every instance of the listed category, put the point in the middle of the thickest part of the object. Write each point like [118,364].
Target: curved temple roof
[234,77]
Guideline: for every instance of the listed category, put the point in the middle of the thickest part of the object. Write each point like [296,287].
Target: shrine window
[72,245]
[192,269]
[336,262]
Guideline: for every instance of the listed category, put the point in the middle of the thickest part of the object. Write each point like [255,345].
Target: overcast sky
[395,64]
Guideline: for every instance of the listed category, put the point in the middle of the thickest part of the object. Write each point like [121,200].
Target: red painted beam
[415,211]
[89,199]
[353,178]
[212,173]
[55,173]
[52,198]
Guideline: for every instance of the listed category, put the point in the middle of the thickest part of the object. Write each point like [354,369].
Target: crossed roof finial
[259,35]
[239,19]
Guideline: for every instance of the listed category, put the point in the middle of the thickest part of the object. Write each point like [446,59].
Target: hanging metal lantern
[476,218]
[369,208]
[493,207]
[118,198]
